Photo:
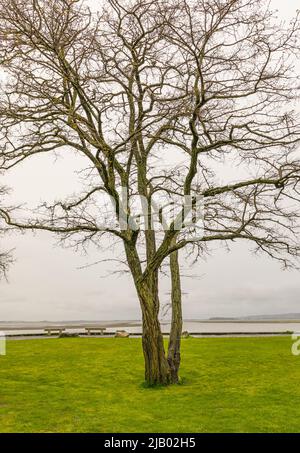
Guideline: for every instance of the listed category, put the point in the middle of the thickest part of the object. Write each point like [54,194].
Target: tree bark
[176,324]
[157,370]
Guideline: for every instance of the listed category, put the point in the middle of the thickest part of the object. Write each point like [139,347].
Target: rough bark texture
[157,370]
[176,326]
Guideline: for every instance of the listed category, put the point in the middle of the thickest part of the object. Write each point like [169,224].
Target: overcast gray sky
[46,282]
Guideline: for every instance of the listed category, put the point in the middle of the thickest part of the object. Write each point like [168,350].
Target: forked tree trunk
[157,371]
[176,324]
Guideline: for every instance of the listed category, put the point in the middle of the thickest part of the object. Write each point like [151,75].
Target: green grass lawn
[96,385]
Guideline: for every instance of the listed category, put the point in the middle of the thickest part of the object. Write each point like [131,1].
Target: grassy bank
[95,385]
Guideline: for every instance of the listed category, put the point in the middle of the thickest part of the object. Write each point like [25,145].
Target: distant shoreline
[196,327]
[40,325]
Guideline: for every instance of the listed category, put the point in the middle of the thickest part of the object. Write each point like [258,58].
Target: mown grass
[96,385]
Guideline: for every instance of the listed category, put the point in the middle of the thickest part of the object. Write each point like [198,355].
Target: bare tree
[5,256]
[161,98]
[5,260]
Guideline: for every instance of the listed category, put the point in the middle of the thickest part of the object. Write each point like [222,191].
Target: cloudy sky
[48,282]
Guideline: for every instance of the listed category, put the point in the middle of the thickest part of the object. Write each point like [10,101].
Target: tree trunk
[157,370]
[176,325]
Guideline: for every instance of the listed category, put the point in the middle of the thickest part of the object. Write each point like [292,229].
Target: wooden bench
[50,330]
[95,330]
